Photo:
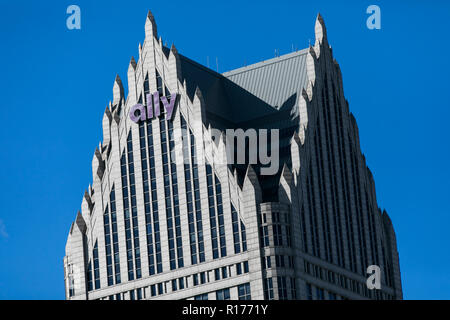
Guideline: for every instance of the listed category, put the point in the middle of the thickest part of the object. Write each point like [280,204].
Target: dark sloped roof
[263,95]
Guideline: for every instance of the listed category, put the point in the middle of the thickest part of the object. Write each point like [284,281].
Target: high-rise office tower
[170,216]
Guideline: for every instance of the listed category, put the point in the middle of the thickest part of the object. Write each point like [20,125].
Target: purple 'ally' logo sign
[139,113]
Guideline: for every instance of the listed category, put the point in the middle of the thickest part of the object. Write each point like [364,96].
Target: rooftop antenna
[309,42]
[217,64]
[207,61]
[292,47]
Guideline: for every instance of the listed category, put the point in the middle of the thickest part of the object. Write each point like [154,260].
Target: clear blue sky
[56,83]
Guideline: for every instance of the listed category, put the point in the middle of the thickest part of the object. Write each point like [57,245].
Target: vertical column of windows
[89,277]
[322,192]
[108,249]
[220,218]
[96,266]
[236,235]
[189,197]
[198,211]
[359,211]
[268,288]
[154,266]
[282,288]
[243,237]
[212,212]
[171,194]
[244,292]
[134,214]
[336,204]
[115,237]
[332,173]
[146,189]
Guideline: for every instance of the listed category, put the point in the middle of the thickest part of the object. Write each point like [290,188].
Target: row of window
[283,288]
[239,235]
[342,281]
[185,282]
[280,228]
[281,261]
[224,294]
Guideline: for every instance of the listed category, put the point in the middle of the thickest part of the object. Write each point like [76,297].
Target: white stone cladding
[327,171]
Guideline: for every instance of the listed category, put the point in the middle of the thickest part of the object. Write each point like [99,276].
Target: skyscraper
[170,216]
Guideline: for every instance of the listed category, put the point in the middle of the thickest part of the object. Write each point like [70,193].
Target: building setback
[167,218]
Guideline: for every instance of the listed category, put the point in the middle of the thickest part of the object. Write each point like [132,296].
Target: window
[236,234]
[224,273]
[268,289]
[320,294]
[264,236]
[238,268]
[217,274]
[181,283]
[279,261]
[244,292]
[174,285]
[96,267]
[309,291]
[223,294]
[282,290]
[89,276]
[203,296]
[202,277]
[246,270]
[195,279]
[293,289]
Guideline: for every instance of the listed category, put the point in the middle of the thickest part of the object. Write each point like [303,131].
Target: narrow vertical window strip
[115,237]
[220,218]
[126,213]
[96,266]
[134,214]
[235,226]
[198,211]
[212,212]
[189,198]
[154,251]
[108,249]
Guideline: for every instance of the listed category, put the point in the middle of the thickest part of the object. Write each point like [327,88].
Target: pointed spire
[150,26]
[117,90]
[320,30]
[132,64]
[131,75]
[81,224]
[173,49]
[106,124]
